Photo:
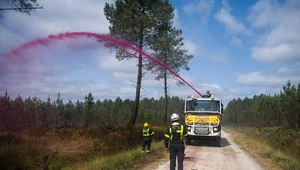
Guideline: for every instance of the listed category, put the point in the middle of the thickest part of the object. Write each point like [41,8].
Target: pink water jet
[100,38]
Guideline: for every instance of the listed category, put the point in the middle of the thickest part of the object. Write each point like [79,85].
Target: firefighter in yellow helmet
[147,138]
[175,136]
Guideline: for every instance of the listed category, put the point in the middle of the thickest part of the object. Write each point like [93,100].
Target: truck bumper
[207,132]
[192,136]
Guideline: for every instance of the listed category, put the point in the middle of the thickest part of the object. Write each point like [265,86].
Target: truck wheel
[188,141]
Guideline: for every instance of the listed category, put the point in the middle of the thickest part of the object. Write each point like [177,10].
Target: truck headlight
[215,129]
[188,128]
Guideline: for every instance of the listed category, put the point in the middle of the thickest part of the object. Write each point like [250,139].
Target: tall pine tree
[134,21]
[167,46]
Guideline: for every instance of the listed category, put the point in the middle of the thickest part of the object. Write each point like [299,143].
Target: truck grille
[201,131]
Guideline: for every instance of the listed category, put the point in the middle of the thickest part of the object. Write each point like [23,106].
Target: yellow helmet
[146,124]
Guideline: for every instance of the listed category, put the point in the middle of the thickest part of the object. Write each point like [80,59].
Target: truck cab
[203,118]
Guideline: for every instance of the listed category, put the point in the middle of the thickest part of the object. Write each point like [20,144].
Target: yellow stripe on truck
[202,119]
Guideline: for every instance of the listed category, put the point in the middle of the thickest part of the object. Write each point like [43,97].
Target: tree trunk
[138,83]
[138,89]
[166,96]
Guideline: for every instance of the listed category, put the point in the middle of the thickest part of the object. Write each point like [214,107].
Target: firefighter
[175,136]
[208,93]
[147,138]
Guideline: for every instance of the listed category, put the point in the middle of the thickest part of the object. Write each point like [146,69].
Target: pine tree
[24,6]
[134,21]
[89,102]
[167,46]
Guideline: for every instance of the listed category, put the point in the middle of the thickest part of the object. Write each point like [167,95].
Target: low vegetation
[58,148]
[129,159]
[274,148]
[37,134]
[268,126]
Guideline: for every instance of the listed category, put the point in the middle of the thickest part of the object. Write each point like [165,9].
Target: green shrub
[30,148]
[15,153]
[285,144]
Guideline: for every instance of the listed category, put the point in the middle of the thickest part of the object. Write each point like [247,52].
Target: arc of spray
[103,37]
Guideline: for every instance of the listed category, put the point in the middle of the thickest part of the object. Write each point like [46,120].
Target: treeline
[33,112]
[266,111]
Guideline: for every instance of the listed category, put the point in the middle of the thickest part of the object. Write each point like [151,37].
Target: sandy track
[203,155]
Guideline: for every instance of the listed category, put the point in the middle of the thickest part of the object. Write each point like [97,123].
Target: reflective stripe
[180,131]
[177,131]
[167,136]
[171,137]
[146,132]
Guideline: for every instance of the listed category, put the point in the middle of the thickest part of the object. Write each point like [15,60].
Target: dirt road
[203,155]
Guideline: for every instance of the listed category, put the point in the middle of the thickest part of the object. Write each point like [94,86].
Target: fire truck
[203,118]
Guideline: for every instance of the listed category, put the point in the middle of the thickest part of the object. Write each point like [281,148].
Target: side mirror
[222,110]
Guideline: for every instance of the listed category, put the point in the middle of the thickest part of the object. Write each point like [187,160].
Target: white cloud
[281,21]
[280,53]
[260,79]
[231,23]
[124,77]
[262,13]
[8,39]
[203,7]
[56,17]
[77,66]
[176,19]
[70,66]
[109,61]
[285,71]
[191,47]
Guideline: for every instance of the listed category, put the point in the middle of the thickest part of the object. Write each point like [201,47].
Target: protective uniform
[175,135]
[147,138]
[208,93]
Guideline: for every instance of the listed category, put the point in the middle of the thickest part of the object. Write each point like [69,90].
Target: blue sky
[241,48]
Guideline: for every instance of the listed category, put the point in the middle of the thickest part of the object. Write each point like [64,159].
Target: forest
[34,124]
[33,112]
[260,111]
[266,110]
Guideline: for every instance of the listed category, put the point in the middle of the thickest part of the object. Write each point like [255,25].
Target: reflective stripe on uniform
[171,137]
[146,132]
[177,131]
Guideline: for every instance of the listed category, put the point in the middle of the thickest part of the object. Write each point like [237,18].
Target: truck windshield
[203,105]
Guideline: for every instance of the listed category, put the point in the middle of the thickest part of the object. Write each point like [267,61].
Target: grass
[57,148]
[33,148]
[274,148]
[16,153]
[121,160]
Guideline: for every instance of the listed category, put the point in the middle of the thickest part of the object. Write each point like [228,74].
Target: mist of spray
[100,38]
